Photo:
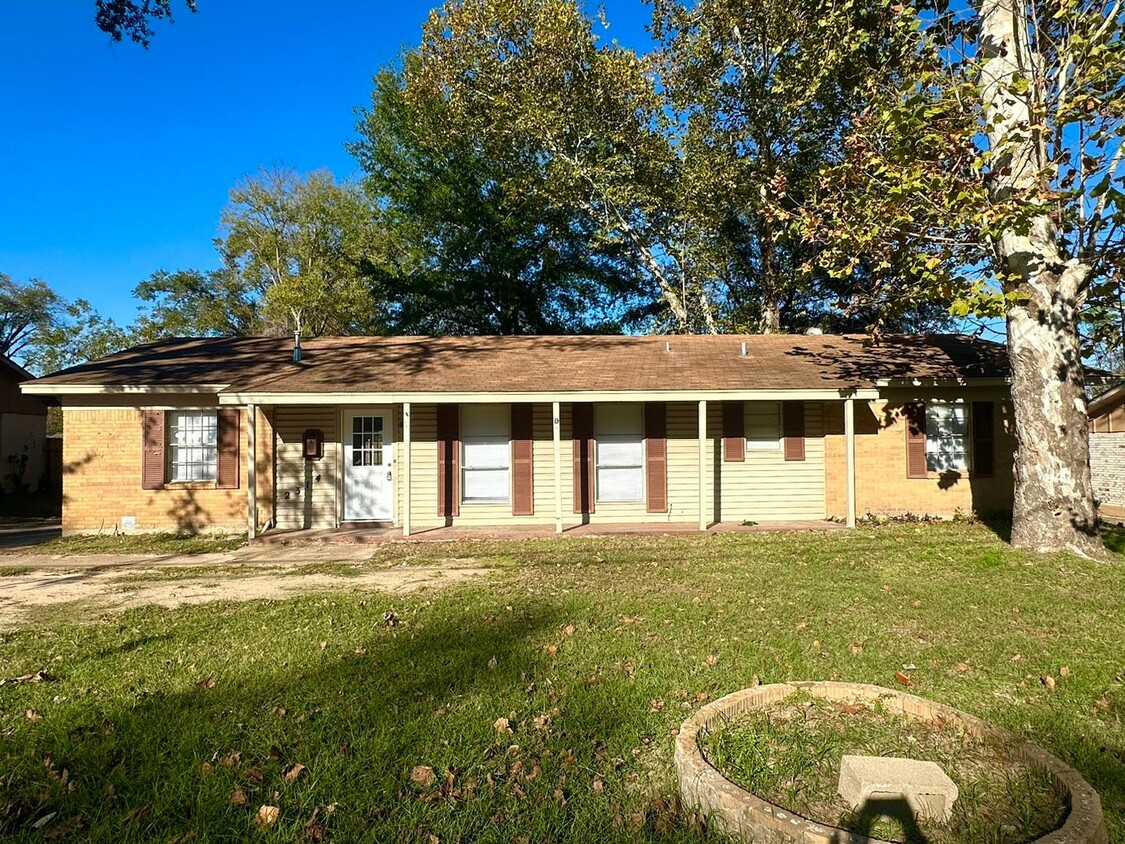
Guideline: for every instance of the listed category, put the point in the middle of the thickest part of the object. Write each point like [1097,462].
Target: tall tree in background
[476,245]
[292,249]
[765,91]
[133,19]
[531,76]
[43,331]
[1001,156]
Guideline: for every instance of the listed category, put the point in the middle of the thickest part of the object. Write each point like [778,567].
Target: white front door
[368,487]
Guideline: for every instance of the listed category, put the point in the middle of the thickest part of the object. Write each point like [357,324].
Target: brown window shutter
[449,459]
[984,450]
[915,439]
[734,432]
[793,429]
[582,424]
[656,457]
[523,461]
[226,434]
[152,449]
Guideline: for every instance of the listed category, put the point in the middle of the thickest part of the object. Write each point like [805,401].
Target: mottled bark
[769,322]
[1054,502]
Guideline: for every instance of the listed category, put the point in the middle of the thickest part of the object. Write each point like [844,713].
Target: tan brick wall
[102,479]
[882,487]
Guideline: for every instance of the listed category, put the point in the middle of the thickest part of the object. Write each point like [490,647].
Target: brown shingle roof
[542,364]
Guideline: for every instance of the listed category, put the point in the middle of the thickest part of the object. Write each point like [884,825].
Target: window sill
[191,485]
[485,501]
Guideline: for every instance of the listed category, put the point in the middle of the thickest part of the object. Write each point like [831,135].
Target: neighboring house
[23,432]
[555,431]
[1107,451]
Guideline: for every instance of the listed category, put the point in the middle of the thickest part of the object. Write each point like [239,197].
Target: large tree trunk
[1054,498]
[1054,502]
[769,322]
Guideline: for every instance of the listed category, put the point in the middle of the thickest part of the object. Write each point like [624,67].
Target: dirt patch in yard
[87,589]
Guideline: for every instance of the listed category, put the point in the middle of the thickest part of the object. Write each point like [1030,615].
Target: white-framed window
[486,453]
[763,426]
[947,436]
[192,445]
[620,458]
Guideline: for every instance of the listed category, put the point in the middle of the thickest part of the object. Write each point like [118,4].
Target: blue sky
[115,160]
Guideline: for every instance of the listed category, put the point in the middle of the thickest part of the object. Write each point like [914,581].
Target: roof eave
[39,388]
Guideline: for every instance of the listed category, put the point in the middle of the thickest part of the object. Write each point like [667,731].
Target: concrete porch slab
[383,533]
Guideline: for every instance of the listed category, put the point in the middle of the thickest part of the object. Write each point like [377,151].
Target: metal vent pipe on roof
[296,347]
[743,345]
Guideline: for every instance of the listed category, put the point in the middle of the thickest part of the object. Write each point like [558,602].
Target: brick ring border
[747,817]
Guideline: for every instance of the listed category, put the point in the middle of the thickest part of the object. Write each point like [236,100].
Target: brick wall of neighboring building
[882,487]
[102,479]
[1107,465]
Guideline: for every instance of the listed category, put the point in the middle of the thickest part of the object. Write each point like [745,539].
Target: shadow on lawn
[202,761]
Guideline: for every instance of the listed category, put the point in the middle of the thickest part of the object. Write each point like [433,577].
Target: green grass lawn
[134,543]
[179,725]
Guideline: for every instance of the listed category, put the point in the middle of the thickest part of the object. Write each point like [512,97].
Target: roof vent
[667,345]
[814,330]
[743,348]
[296,347]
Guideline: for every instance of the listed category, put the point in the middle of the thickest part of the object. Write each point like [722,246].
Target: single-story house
[422,432]
[23,432]
[1107,451]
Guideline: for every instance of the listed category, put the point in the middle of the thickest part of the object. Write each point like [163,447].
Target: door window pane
[367,440]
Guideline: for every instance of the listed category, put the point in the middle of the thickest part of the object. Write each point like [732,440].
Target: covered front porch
[371,467]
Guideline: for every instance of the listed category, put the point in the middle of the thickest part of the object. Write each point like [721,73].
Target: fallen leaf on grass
[422,775]
[711,660]
[551,649]
[267,815]
[35,677]
[569,630]
[599,786]
[208,683]
[656,705]
[963,667]
[855,649]
[294,771]
[32,715]
[1064,671]
[1048,681]
[503,726]
[238,797]
[902,679]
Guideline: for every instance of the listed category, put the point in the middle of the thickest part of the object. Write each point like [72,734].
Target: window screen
[763,426]
[619,433]
[947,437]
[486,452]
[192,445]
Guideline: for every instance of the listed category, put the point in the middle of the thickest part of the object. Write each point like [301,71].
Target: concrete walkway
[84,588]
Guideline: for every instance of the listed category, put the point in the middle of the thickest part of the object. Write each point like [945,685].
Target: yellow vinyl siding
[302,500]
[767,487]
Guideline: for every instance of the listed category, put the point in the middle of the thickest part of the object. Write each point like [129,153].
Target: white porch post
[556,433]
[405,480]
[849,450]
[703,520]
[251,471]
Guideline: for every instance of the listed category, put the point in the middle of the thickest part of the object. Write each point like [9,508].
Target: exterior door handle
[388,474]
